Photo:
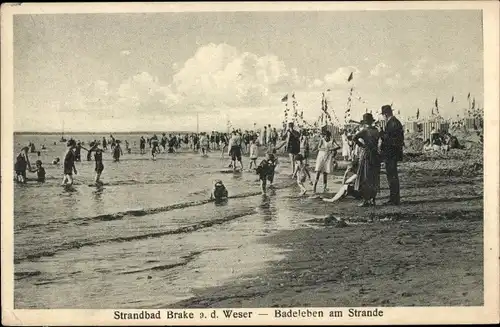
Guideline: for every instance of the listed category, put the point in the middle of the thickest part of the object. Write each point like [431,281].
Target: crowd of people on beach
[364,147]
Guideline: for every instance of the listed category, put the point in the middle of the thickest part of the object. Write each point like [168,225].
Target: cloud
[317,83]
[423,68]
[395,81]
[125,53]
[341,75]
[144,93]
[220,75]
[380,69]
[445,69]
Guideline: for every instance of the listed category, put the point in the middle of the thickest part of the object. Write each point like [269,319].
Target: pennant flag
[328,90]
[468,96]
[452,99]
[473,103]
[293,95]
[436,103]
[350,77]
[418,112]
[285,98]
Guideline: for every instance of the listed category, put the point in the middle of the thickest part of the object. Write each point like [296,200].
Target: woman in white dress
[325,159]
[346,149]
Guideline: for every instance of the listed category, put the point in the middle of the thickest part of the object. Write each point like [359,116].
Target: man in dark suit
[392,152]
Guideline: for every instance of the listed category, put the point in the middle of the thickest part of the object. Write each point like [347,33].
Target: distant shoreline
[106,133]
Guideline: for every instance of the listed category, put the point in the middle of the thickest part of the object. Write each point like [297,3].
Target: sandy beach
[426,252]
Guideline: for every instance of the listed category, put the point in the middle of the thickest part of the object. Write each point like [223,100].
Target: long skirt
[368,181]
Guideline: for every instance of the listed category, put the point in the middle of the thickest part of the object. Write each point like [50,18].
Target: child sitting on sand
[253,154]
[40,172]
[219,191]
[302,173]
[347,187]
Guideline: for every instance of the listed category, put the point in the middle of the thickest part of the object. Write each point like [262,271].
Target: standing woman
[368,180]
[324,159]
[22,164]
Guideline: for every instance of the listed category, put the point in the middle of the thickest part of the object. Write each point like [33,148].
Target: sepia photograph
[282,159]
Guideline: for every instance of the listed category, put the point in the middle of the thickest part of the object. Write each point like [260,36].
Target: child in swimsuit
[117,151]
[155,148]
[99,166]
[22,163]
[301,173]
[40,172]
[253,154]
[266,172]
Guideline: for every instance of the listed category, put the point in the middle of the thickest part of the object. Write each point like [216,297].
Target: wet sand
[426,252]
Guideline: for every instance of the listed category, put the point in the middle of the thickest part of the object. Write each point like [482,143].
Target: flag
[328,90]
[468,96]
[350,77]
[473,103]
[285,98]
[436,103]
[452,99]
[293,95]
[418,112]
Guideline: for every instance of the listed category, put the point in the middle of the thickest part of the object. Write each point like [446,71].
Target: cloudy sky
[125,72]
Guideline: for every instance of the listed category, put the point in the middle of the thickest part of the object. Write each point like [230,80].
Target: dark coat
[393,140]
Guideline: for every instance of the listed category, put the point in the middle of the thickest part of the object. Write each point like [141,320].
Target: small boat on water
[63,139]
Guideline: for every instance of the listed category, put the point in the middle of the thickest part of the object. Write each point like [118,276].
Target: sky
[158,71]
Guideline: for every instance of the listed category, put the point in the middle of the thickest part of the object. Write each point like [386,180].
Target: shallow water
[149,236]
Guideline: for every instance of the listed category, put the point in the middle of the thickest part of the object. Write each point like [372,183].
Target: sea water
[149,236]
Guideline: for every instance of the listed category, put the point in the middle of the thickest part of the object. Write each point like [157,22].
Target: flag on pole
[418,112]
[452,99]
[473,103]
[436,103]
[350,77]
[468,96]
[293,95]
[285,98]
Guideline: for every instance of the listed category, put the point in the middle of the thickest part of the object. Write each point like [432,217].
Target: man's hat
[386,109]
[368,118]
